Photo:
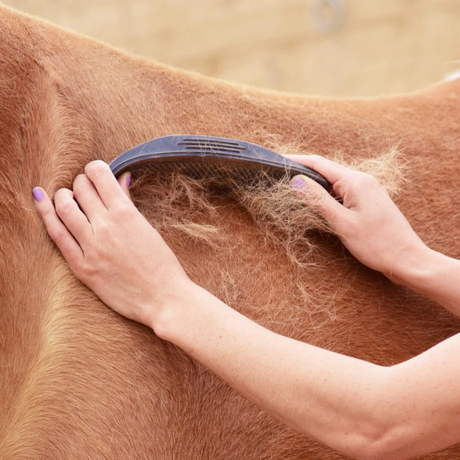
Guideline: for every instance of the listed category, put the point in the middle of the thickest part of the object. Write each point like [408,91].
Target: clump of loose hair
[388,168]
[177,202]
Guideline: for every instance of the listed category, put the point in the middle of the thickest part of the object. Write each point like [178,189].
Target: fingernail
[37,193]
[128,179]
[299,183]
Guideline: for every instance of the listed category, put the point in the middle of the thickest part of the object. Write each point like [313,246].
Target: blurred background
[326,47]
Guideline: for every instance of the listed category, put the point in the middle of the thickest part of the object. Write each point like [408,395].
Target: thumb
[316,196]
[124,180]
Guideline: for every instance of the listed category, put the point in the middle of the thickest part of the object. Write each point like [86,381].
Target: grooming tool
[216,157]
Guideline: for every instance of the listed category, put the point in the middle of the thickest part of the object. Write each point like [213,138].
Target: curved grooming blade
[216,157]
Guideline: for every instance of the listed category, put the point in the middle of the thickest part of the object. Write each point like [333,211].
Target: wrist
[166,318]
[411,265]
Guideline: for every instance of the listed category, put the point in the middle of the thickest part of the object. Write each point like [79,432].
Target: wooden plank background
[382,46]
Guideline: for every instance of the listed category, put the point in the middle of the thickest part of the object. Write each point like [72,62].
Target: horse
[77,380]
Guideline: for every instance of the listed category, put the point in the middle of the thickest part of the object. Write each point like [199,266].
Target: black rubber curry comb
[215,157]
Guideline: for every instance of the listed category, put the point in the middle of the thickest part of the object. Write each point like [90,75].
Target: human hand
[368,222]
[110,246]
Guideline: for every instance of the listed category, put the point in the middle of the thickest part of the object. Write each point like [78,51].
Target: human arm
[358,408]
[322,394]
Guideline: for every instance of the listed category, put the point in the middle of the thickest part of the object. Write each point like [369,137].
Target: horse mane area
[77,381]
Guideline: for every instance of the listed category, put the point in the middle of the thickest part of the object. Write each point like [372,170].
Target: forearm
[327,396]
[430,273]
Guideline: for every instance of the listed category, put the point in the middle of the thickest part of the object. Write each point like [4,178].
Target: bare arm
[358,408]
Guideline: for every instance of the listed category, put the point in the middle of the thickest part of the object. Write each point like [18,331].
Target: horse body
[78,381]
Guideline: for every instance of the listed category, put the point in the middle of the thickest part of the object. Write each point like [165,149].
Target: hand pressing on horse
[366,220]
[110,246]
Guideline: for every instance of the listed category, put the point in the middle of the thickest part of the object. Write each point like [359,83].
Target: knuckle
[48,213]
[64,208]
[60,195]
[80,184]
[63,201]
[314,159]
[367,180]
[125,210]
[103,228]
[95,168]
[57,235]
[86,270]
[317,200]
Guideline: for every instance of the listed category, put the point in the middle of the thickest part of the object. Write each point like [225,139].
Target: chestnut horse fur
[77,381]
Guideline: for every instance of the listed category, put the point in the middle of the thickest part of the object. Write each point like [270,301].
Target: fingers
[68,225]
[320,199]
[71,216]
[87,197]
[329,169]
[58,232]
[314,193]
[105,183]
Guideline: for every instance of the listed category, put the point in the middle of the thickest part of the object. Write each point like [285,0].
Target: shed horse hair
[77,381]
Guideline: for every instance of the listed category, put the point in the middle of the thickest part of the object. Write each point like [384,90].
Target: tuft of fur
[285,219]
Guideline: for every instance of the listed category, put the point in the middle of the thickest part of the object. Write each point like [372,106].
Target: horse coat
[77,381]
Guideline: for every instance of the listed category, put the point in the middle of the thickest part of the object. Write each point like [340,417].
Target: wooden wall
[381,47]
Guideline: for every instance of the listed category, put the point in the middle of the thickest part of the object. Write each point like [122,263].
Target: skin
[363,410]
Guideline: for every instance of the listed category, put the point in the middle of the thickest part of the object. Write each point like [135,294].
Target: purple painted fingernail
[128,179]
[299,183]
[37,193]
